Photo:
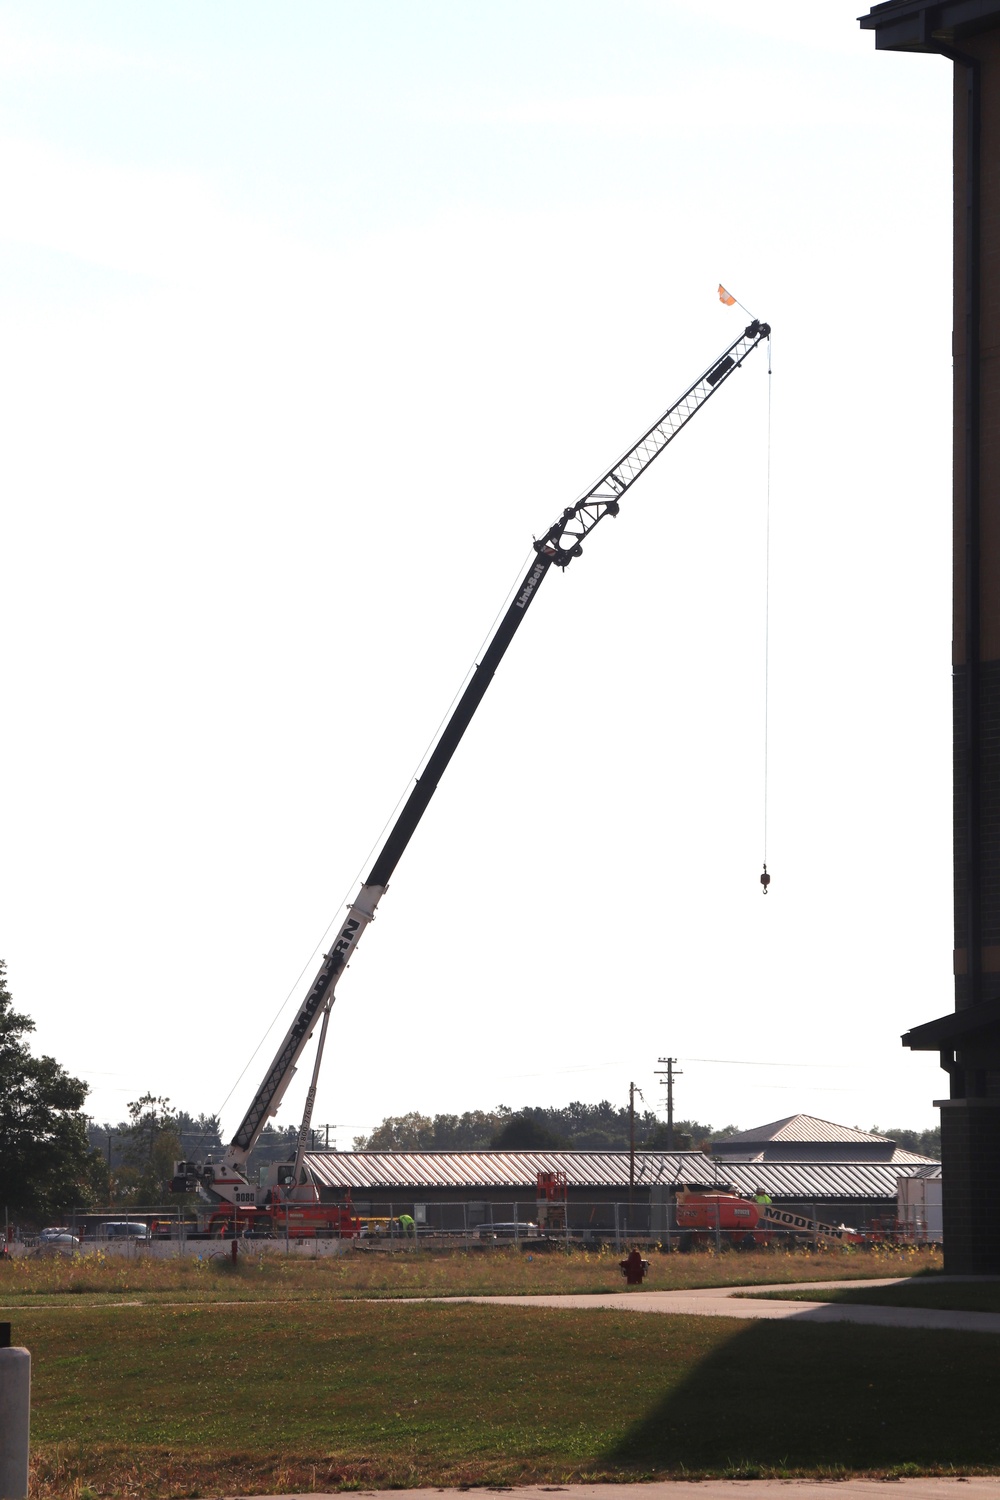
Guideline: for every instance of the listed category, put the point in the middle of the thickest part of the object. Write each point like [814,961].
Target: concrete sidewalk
[732,1302]
[720,1489]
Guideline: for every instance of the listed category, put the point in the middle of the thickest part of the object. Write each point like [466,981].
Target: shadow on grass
[934,1291]
[785,1396]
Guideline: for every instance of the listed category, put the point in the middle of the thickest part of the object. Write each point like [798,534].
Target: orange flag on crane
[726,297]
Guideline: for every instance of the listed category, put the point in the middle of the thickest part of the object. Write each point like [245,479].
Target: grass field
[957,1296]
[29,1280]
[186,1401]
[182,1378]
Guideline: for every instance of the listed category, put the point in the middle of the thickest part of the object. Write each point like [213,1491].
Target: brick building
[967,34]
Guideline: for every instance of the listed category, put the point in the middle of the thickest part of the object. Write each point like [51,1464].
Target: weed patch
[270,1276]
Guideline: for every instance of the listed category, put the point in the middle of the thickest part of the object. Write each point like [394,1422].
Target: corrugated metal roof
[804,1180]
[725,1153]
[477,1171]
[501,1169]
[795,1128]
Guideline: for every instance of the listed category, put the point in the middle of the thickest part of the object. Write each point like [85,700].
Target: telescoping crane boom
[225,1181]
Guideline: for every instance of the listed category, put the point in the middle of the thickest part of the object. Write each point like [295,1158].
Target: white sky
[312,317]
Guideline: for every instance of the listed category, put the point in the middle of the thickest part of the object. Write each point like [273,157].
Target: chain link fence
[473,1225]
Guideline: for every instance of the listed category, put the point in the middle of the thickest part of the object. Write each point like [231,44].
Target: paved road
[723,1489]
[727,1302]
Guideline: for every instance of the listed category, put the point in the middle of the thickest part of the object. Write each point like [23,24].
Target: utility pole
[632,1091]
[314,1131]
[669,1073]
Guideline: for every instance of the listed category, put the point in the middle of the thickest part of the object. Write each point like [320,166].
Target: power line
[745,1062]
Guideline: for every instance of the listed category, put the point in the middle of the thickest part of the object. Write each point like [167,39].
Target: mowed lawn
[159,1401]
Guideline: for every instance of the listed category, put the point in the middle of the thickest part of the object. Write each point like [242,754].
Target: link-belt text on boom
[531,585]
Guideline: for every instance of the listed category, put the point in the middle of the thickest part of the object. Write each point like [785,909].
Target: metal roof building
[506,1180]
[806,1138]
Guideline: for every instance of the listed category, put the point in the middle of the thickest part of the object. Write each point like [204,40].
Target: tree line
[53,1158]
[576,1126]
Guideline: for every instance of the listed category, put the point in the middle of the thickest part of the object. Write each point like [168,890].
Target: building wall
[970,1120]
[970,1150]
[594,1210]
[987,49]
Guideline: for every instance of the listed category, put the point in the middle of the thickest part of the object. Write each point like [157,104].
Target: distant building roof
[929,1173]
[799,1128]
[470,1173]
[806,1138]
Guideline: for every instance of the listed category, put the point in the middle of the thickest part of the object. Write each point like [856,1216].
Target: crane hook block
[765,881]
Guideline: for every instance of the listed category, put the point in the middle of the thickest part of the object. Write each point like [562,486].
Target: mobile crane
[287,1189]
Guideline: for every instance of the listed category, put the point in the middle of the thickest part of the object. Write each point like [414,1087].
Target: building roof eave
[957,1026]
[919,26]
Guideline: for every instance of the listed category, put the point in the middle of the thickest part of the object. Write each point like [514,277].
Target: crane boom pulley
[557,547]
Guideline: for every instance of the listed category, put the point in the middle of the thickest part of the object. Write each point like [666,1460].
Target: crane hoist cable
[765,879]
[727,298]
[381,835]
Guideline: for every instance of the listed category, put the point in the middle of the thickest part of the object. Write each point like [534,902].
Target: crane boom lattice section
[601,500]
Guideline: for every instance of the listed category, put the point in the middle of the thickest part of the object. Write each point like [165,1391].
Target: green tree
[412,1132]
[98,1178]
[469,1132]
[46,1164]
[152,1147]
[527,1131]
[926,1142]
[658,1139]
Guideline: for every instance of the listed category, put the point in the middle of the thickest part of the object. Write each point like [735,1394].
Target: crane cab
[277,1184]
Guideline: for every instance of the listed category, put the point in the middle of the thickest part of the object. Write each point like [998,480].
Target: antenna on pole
[669,1073]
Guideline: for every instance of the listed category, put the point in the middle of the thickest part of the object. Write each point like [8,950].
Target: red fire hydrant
[634,1268]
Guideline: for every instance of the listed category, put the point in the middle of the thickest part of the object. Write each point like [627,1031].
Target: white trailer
[919,1206]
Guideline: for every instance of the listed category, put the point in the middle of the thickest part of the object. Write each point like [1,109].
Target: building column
[969,1038]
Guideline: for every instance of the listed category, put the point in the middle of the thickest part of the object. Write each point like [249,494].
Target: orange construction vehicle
[715,1213]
